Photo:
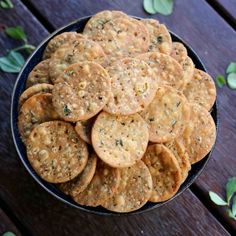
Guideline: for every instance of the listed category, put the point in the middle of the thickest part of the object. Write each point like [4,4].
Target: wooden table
[26,209]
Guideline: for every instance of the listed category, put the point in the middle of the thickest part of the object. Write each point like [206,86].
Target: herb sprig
[164,7]
[230,201]
[13,61]
[231,77]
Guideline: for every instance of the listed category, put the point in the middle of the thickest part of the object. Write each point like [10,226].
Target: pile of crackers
[116,115]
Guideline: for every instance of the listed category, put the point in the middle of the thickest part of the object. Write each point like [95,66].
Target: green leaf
[6,4]
[12,63]
[164,7]
[16,33]
[230,188]
[234,206]
[217,199]
[230,214]
[148,6]
[220,81]
[231,68]
[231,80]
[9,233]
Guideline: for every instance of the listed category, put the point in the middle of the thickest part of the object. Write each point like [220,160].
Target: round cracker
[81,50]
[167,115]
[37,88]
[119,141]
[84,129]
[96,23]
[133,86]
[200,133]
[201,89]
[165,172]
[160,39]
[166,69]
[134,190]
[179,51]
[56,152]
[82,91]
[36,110]
[80,183]
[103,185]
[181,155]
[122,37]
[58,41]
[39,74]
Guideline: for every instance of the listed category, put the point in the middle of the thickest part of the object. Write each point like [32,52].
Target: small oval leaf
[231,80]
[217,199]
[9,233]
[220,81]
[148,6]
[164,7]
[230,188]
[231,68]
[234,206]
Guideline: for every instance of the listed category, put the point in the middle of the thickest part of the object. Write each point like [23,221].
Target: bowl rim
[74,205]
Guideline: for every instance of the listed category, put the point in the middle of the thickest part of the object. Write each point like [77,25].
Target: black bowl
[33,60]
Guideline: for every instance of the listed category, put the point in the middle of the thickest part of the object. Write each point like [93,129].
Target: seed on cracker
[119,141]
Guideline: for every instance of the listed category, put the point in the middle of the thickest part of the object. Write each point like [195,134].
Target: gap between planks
[8,211]
[223,13]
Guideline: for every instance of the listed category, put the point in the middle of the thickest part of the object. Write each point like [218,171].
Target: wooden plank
[7,225]
[227,6]
[213,40]
[41,214]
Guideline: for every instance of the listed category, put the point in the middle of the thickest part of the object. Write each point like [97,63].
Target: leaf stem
[24,47]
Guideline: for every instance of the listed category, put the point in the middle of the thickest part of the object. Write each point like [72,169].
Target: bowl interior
[34,59]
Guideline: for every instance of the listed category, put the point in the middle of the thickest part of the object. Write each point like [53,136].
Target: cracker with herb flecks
[200,133]
[81,91]
[79,51]
[58,41]
[181,155]
[133,86]
[39,74]
[121,37]
[179,51]
[167,70]
[165,172]
[160,39]
[201,89]
[37,88]
[36,110]
[119,141]
[56,152]
[79,183]
[103,185]
[167,115]
[134,190]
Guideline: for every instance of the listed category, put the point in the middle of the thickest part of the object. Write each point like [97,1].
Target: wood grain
[7,225]
[39,212]
[212,39]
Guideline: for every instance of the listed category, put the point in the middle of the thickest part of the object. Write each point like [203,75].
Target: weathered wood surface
[40,213]
[212,39]
[7,225]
